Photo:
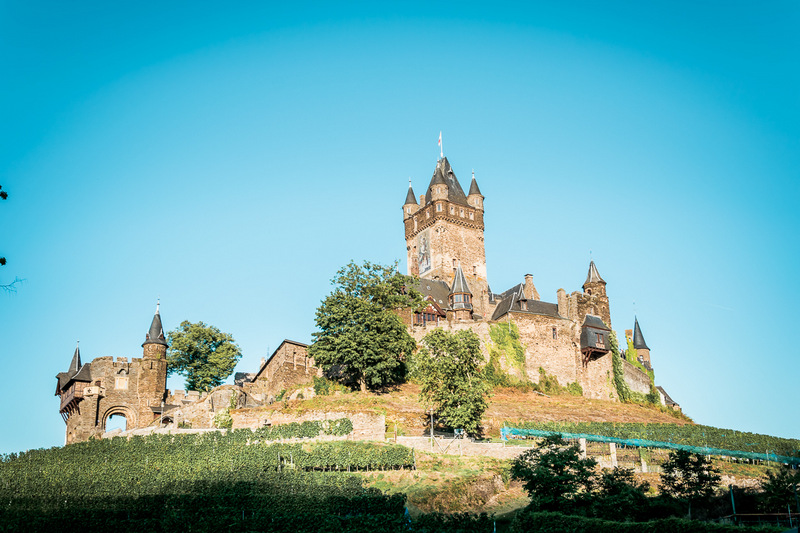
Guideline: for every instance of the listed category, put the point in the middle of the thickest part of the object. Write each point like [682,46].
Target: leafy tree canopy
[202,353]
[361,338]
[780,488]
[555,475]
[689,477]
[448,368]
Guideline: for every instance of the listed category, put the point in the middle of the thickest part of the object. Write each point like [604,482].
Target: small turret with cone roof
[411,206]
[642,351]
[475,198]
[594,284]
[155,344]
[76,360]
[460,296]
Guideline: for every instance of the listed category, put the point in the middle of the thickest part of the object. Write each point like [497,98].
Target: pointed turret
[76,361]
[155,344]
[642,351]
[475,198]
[444,185]
[460,296]
[638,338]
[411,206]
[593,276]
[410,198]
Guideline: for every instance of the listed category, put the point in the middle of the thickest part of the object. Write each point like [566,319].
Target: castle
[568,339]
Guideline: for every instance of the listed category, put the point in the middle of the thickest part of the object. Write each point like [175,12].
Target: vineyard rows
[688,435]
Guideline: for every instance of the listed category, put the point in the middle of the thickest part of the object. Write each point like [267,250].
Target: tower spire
[155,334]
[76,360]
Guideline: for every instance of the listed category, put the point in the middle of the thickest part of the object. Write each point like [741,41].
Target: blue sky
[230,159]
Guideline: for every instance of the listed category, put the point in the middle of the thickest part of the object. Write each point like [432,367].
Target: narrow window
[475,270]
[471,215]
[439,207]
[452,210]
[555,333]
[461,213]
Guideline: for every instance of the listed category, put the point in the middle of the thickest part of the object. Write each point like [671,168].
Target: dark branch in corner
[12,287]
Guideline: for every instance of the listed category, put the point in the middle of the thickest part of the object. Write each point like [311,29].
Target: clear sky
[230,159]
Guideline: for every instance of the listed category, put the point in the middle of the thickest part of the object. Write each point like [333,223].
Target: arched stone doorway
[118,417]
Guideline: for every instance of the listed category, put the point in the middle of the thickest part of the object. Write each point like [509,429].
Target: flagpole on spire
[441,152]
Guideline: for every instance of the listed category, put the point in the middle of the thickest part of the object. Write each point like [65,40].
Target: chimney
[263,362]
[529,289]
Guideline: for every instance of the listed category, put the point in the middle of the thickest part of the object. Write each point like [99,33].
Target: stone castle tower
[91,393]
[444,231]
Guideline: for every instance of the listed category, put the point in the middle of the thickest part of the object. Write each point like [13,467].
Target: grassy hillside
[402,407]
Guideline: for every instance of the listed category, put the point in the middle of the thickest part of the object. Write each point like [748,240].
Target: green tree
[361,338]
[555,475]
[779,488]
[689,477]
[202,353]
[619,496]
[448,368]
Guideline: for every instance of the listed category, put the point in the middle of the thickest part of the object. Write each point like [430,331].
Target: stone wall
[366,426]
[132,389]
[637,380]
[447,240]
[289,367]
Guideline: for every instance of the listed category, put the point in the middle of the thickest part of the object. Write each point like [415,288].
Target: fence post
[612,448]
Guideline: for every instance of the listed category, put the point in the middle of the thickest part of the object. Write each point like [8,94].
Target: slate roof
[438,291]
[638,338]
[473,187]
[77,371]
[596,322]
[593,276]
[509,301]
[156,333]
[410,198]
[460,287]
[667,399]
[443,174]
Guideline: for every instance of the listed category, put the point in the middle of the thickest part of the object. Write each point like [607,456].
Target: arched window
[116,421]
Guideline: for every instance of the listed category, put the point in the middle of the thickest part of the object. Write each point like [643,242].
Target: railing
[72,393]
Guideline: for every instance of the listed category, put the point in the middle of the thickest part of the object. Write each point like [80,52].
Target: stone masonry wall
[637,380]
[127,388]
[447,238]
[366,426]
[288,368]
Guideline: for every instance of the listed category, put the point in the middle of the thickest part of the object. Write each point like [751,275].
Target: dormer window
[471,215]
[452,210]
[461,213]
[439,207]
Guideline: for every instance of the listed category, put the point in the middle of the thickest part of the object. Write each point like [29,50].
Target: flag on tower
[441,154]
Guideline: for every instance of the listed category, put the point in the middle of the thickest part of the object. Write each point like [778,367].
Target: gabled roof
[437,291]
[156,333]
[638,338]
[593,276]
[410,198]
[266,363]
[509,302]
[667,399]
[443,174]
[473,187]
[77,371]
[595,322]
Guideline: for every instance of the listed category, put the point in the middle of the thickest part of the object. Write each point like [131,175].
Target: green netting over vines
[706,440]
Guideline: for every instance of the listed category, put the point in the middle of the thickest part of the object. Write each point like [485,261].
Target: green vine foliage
[623,391]
[686,434]
[155,482]
[506,346]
